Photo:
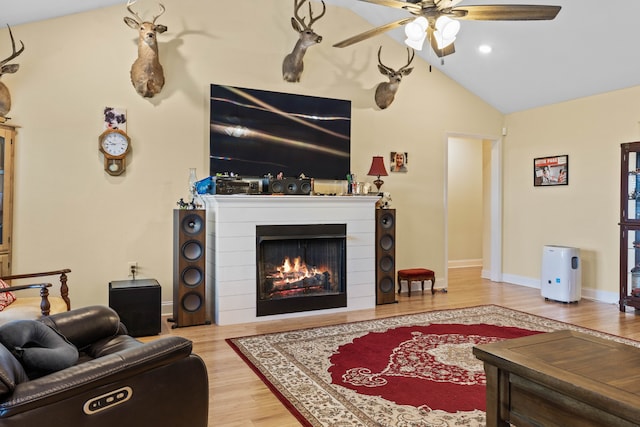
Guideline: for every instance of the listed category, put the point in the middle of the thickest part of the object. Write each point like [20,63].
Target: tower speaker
[385,256]
[190,306]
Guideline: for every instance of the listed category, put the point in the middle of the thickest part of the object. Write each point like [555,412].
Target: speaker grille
[192,224]
[192,250]
[387,221]
[192,276]
[386,263]
[387,285]
[192,302]
[277,186]
[386,242]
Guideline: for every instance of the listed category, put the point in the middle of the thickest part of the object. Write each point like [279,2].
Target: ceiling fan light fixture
[447,27]
[441,41]
[416,32]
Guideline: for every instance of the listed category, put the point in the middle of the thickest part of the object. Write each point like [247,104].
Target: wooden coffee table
[562,379]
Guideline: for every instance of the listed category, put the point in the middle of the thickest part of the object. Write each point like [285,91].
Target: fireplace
[300,268]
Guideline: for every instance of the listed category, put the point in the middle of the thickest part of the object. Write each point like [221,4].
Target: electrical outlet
[132,270]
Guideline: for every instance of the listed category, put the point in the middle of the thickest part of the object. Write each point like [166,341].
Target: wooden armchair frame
[45,305]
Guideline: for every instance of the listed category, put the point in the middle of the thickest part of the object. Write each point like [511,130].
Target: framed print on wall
[552,170]
[399,161]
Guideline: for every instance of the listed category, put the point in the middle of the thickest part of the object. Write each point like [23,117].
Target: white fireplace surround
[231,248]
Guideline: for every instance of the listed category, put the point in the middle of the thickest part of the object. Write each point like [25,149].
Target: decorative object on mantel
[292,65]
[5,96]
[385,201]
[386,91]
[147,75]
[195,201]
[377,169]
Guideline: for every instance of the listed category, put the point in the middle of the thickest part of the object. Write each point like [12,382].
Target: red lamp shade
[377,169]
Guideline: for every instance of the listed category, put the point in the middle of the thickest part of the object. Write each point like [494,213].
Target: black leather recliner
[117,380]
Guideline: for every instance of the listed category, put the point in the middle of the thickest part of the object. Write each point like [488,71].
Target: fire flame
[294,270]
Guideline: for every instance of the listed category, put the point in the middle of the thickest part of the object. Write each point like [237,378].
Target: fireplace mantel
[231,247]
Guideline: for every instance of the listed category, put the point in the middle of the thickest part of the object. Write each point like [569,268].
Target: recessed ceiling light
[484,48]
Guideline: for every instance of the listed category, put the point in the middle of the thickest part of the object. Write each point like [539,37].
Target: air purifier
[561,278]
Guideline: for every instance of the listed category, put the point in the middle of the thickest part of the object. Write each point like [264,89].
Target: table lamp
[377,169]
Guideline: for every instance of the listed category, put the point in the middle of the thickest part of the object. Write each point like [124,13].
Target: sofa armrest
[93,374]
[86,325]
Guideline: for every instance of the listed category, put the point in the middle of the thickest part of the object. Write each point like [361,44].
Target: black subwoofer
[137,302]
[385,256]
[190,305]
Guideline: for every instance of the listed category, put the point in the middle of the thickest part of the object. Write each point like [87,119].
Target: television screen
[254,133]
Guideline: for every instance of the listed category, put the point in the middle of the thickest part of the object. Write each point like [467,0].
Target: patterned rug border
[385,323]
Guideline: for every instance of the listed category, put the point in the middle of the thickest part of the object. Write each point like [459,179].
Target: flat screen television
[254,133]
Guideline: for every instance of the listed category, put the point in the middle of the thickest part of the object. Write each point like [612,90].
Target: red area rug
[413,370]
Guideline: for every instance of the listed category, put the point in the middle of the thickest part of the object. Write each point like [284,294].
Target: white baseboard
[587,293]
[463,263]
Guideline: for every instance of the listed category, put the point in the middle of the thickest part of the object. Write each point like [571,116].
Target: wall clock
[115,144]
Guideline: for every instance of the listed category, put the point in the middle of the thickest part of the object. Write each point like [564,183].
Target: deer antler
[158,16]
[311,18]
[410,54]
[129,4]
[296,8]
[389,70]
[13,46]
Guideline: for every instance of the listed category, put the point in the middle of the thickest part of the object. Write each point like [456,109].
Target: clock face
[115,144]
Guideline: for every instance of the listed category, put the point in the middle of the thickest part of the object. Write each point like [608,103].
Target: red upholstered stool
[416,275]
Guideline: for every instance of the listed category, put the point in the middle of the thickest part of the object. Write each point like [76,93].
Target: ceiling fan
[437,20]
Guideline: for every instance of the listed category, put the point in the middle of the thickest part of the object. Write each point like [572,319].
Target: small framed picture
[399,161]
[553,170]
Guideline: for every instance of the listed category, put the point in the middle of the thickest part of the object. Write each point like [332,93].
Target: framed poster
[552,170]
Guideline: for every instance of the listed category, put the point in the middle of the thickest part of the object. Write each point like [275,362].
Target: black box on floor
[137,302]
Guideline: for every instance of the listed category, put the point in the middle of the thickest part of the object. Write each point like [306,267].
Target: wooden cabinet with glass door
[7,140]
[630,226]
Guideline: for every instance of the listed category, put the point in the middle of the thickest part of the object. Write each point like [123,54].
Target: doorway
[490,166]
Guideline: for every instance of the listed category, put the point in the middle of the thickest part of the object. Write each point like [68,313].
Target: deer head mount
[6,68]
[292,65]
[386,91]
[147,75]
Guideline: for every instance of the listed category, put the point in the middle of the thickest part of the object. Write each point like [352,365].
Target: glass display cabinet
[7,139]
[630,226]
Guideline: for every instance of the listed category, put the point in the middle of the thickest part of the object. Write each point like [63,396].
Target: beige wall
[70,213]
[583,214]
[465,196]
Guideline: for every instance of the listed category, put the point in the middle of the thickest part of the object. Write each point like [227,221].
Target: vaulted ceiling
[591,47]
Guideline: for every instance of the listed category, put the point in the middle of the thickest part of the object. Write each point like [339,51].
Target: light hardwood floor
[239,398]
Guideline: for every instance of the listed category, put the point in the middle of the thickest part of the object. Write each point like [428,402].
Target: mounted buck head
[147,75]
[292,65]
[386,91]
[5,68]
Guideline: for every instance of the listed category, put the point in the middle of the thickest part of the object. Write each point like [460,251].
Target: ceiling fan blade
[373,32]
[411,7]
[444,4]
[448,50]
[512,12]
